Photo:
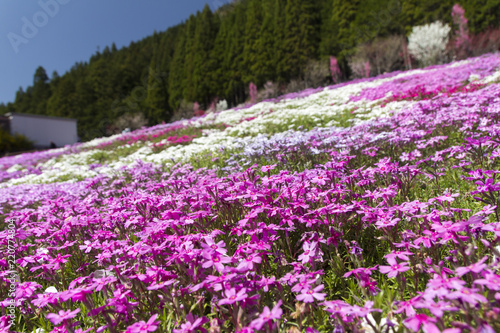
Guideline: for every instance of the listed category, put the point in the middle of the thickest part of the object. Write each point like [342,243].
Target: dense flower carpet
[368,206]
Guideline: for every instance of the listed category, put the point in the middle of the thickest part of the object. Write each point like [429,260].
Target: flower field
[368,206]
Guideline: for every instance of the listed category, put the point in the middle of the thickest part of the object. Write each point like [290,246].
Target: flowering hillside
[368,206]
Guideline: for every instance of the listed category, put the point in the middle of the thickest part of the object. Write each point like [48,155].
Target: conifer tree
[40,92]
[206,31]
[301,35]
[177,77]
[252,35]
[221,71]
[280,53]
[263,66]
[188,61]
[235,87]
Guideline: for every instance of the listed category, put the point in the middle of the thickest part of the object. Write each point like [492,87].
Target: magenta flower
[216,260]
[267,315]
[232,296]
[436,308]
[447,197]
[99,284]
[211,245]
[248,263]
[320,180]
[192,324]
[387,222]
[309,252]
[491,281]
[267,168]
[474,268]
[57,261]
[394,269]
[468,295]
[414,323]
[62,316]
[26,289]
[43,300]
[408,306]
[308,296]
[144,327]
[403,255]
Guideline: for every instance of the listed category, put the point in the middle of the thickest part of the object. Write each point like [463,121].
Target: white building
[43,130]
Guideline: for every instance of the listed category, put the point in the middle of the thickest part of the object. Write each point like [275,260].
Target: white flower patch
[246,125]
[495,77]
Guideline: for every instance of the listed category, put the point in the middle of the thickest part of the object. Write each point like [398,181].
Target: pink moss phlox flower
[402,255]
[426,240]
[490,280]
[387,222]
[43,300]
[267,168]
[144,327]
[309,252]
[414,323]
[338,308]
[308,296]
[447,227]
[486,210]
[408,306]
[78,294]
[477,267]
[216,260]
[192,324]
[492,227]
[267,315]
[361,273]
[62,316]
[447,197]
[468,295]
[247,263]
[487,186]
[362,312]
[99,284]
[210,245]
[232,296]
[320,180]
[394,269]
[57,261]
[436,308]
[304,284]
[26,289]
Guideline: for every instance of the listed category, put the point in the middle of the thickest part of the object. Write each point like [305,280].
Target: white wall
[43,130]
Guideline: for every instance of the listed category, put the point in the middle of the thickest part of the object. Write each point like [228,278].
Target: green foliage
[13,143]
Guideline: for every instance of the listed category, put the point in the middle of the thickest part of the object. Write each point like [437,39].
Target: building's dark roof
[14,114]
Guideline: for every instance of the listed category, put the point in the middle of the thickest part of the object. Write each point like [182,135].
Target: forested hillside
[218,54]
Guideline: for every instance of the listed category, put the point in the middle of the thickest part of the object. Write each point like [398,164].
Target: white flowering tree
[427,43]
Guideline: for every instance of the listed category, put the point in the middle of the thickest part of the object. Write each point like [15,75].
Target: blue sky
[56,34]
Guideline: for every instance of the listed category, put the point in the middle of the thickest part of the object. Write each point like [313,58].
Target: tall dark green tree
[41,91]
[220,74]
[252,35]
[302,32]
[281,56]
[263,66]
[235,87]
[206,31]
[177,78]
[188,61]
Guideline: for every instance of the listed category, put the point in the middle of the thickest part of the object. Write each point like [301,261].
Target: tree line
[218,54]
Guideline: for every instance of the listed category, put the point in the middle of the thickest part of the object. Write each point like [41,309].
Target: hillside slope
[370,205]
